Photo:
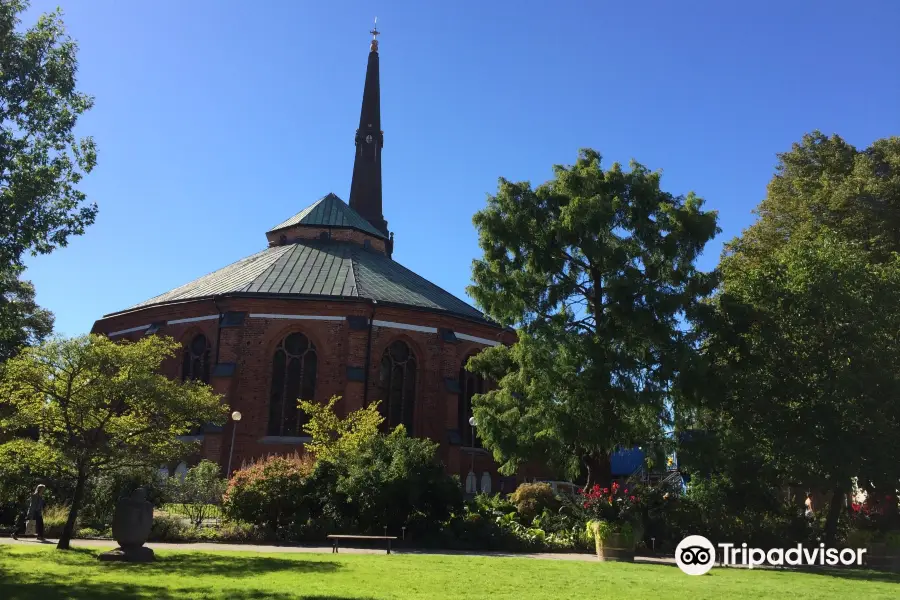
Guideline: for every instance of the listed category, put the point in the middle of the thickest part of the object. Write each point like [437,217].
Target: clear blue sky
[216,120]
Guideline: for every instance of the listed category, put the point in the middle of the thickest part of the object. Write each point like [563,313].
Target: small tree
[378,480]
[103,405]
[333,436]
[200,491]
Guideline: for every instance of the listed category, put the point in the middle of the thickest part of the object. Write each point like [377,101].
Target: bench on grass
[335,538]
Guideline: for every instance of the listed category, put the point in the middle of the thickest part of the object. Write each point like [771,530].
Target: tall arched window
[398,386]
[469,385]
[293,378]
[196,360]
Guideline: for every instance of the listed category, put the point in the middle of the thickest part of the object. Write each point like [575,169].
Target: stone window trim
[397,372]
[196,361]
[293,373]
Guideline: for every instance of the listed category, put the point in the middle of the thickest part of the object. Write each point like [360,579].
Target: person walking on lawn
[35,511]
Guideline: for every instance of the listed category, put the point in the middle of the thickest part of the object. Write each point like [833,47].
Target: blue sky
[216,120]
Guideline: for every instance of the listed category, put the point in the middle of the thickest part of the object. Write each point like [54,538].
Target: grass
[43,573]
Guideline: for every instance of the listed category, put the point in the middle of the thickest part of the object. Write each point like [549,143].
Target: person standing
[36,512]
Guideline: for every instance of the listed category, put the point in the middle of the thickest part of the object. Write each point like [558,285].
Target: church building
[324,310]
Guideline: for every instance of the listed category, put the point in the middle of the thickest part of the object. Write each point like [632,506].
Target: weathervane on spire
[374,46]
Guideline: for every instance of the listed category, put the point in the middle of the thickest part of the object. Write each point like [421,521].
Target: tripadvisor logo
[696,555]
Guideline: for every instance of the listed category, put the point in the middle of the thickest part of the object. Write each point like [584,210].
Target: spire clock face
[368,139]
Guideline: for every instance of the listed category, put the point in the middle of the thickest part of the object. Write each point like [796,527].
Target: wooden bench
[335,538]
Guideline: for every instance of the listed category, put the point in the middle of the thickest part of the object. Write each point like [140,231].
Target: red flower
[632,498]
[615,485]
[605,490]
[586,504]
[625,491]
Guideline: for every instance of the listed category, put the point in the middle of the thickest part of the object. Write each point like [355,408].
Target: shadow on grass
[25,582]
[183,564]
[859,575]
[13,589]
[199,564]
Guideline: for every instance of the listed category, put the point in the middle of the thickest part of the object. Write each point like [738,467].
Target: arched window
[293,378]
[469,385]
[398,386]
[196,360]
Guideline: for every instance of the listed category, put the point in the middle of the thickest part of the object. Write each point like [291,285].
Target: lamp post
[235,416]
[471,483]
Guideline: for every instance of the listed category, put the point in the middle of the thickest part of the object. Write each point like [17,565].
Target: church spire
[365,189]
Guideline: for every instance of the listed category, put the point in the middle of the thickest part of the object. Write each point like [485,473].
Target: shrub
[532,499]
[106,490]
[200,492]
[273,493]
[393,481]
[88,533]
[169,529]
[366,480]
[231,532]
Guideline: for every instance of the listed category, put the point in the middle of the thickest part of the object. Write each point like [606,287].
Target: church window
[398,386]
[469,385]
[293,378]
[195,365]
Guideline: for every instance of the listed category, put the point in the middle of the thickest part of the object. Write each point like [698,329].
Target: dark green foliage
[394,481]
[595,267]
[105,490]
[22,321]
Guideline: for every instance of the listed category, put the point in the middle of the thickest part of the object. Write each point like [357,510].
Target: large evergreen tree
[595,269]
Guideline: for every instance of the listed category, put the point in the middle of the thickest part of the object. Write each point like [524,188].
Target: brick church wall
[250,347]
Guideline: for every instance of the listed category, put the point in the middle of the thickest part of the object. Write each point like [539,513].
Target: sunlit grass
[42,573]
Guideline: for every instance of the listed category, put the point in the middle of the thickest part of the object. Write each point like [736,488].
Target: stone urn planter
[131,528]
[614,541]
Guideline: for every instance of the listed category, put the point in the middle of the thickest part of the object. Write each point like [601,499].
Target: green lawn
[42,573]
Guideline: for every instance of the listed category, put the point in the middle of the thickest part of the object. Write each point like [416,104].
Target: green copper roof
[329,211]
[321,268]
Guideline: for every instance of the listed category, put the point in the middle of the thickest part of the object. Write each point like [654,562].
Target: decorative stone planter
[131,528]
[615,547]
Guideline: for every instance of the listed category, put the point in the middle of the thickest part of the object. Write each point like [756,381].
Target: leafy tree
[595,268]
[41,160]
[333,436]
[200,491]
[800,363]
[22,321]
[826,183]
[103,405]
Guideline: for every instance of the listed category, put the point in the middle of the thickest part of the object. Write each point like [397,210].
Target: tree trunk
[599,469]
[69,529]
[834,513]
